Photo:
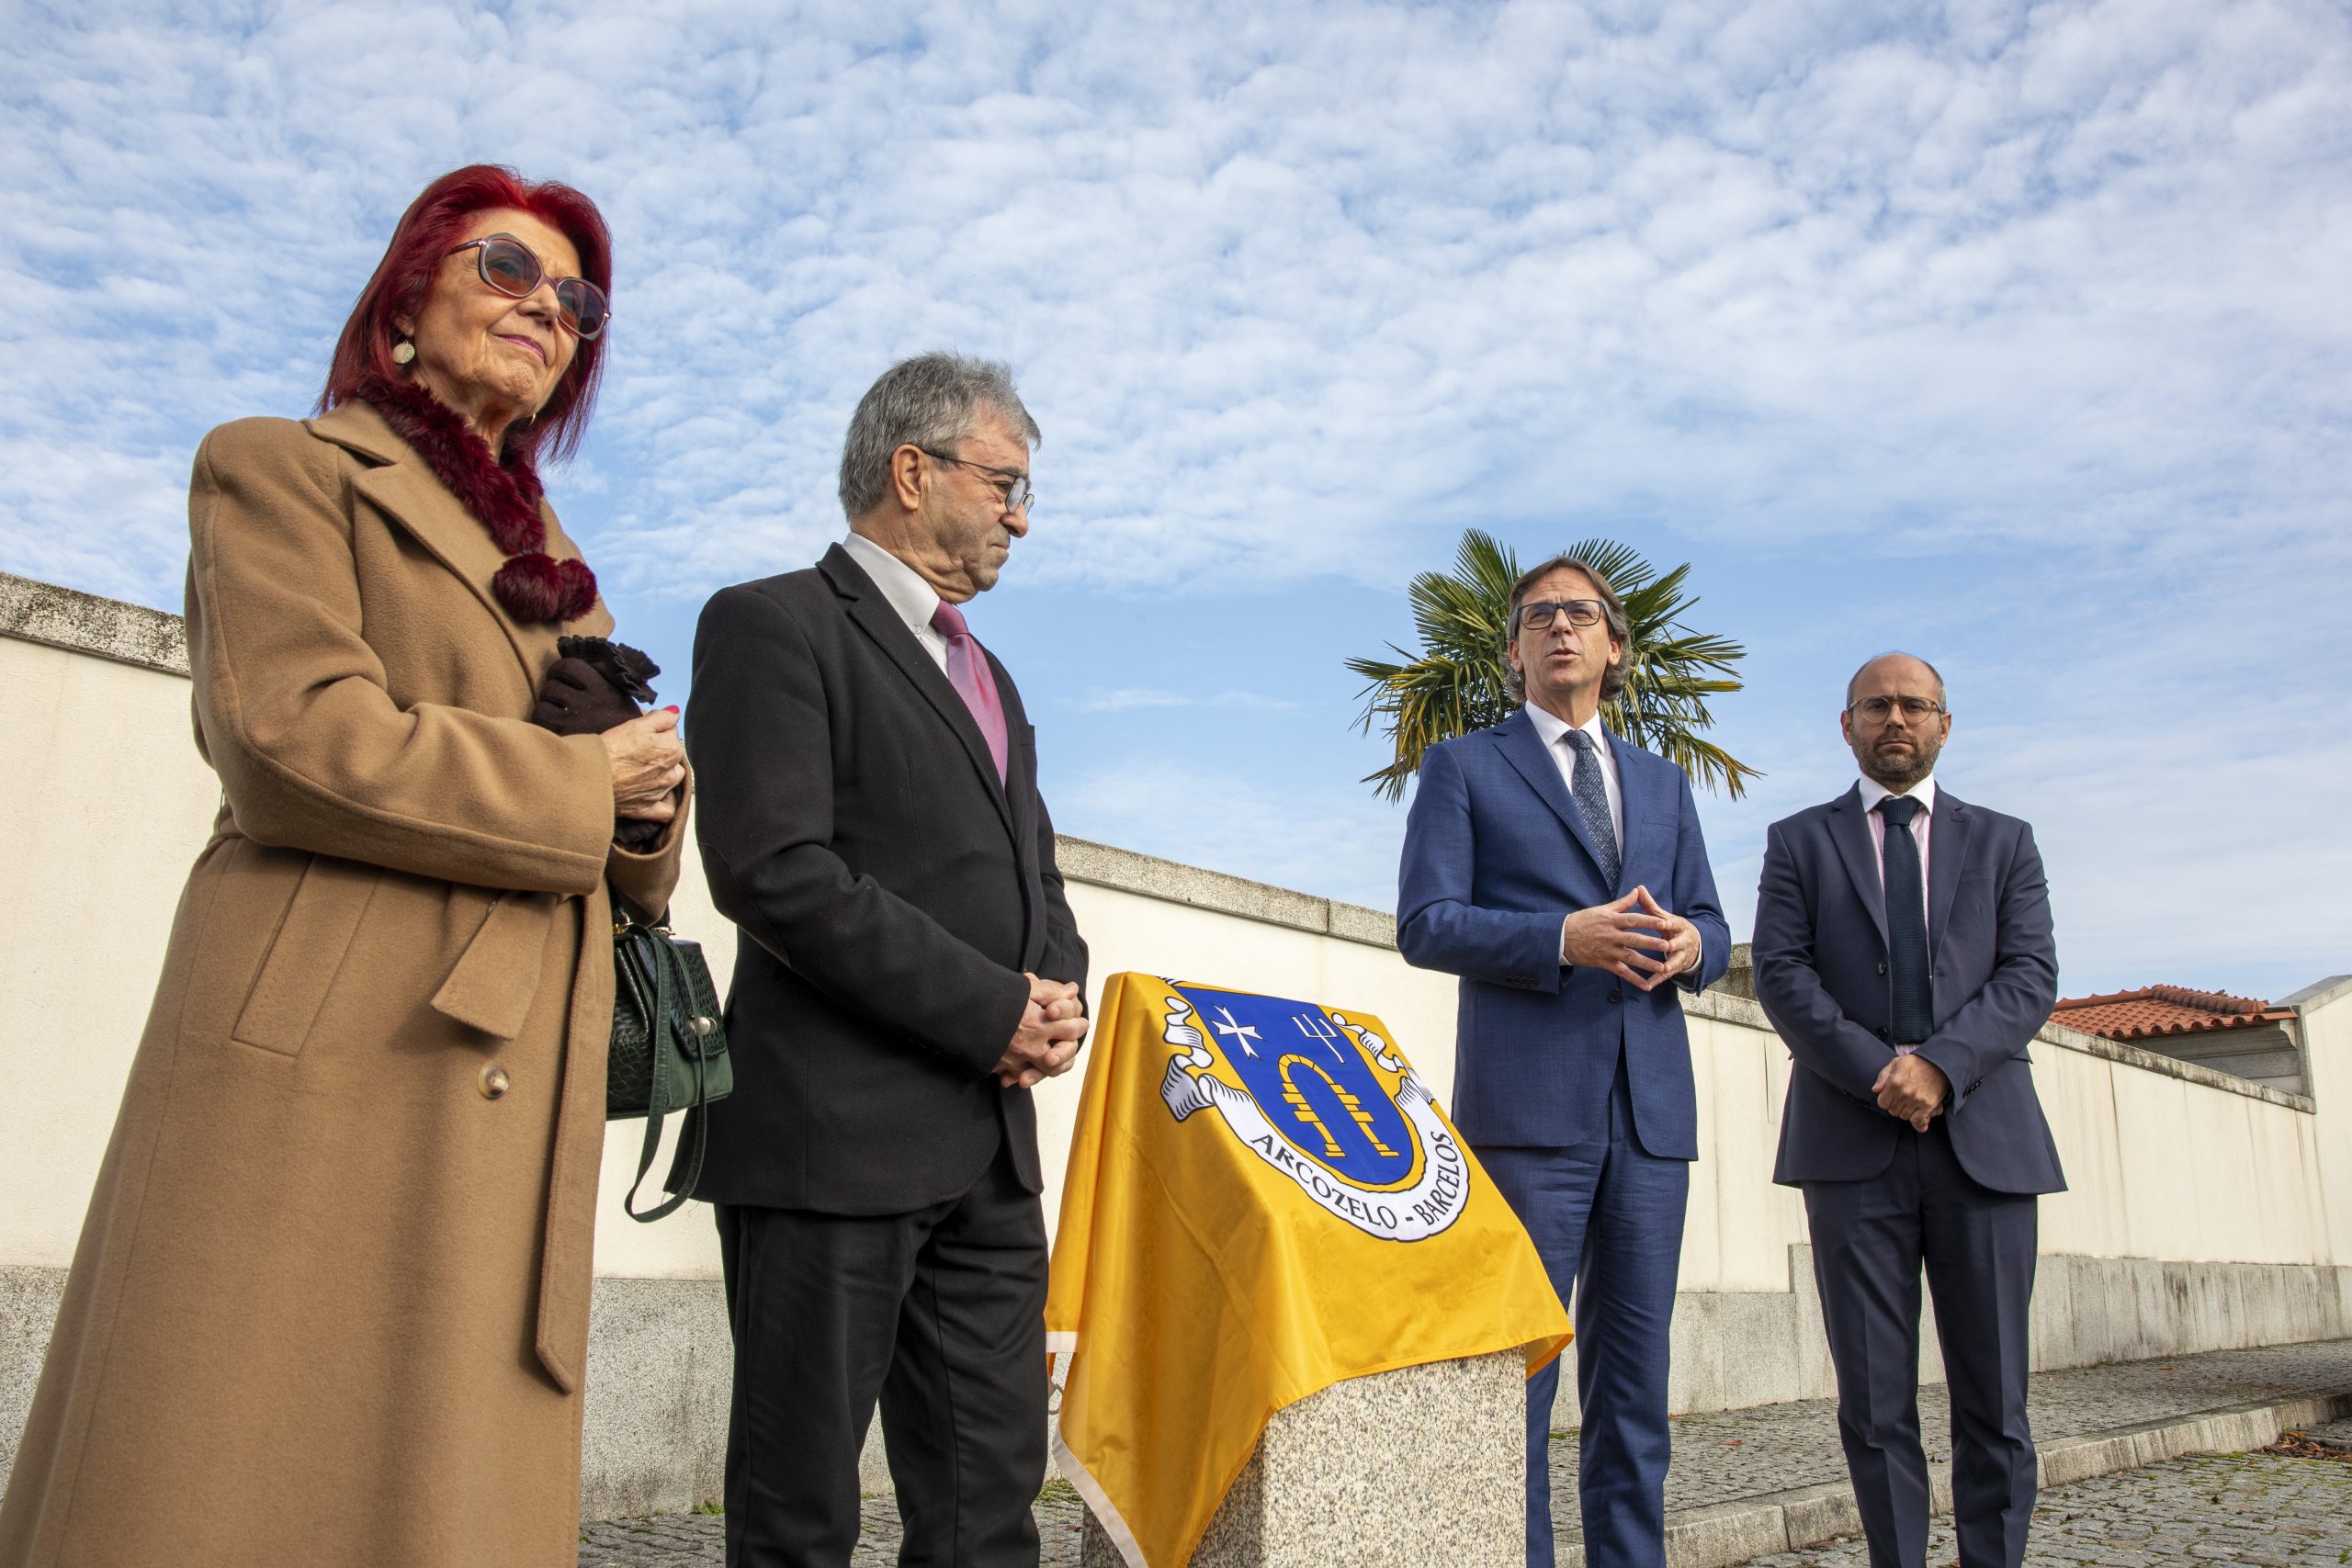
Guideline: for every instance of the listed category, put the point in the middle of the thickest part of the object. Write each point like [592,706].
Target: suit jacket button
[1881,968]
[493,1082]
[1616,996]
[1881,1032]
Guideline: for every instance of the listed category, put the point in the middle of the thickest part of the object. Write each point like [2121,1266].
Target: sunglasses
[510,266]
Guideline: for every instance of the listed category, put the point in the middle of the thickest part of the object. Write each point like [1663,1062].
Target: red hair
[436,221]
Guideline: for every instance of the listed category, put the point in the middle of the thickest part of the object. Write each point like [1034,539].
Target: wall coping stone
[2318,993]
[156,639]
[85,623]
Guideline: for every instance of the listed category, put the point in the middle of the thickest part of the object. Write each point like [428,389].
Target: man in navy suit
[1559,871]
[1904,952]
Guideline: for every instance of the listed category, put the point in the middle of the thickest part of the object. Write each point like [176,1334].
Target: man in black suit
[869,818]
[1904,952]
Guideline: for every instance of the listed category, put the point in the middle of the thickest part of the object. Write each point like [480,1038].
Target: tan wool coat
[330,1305]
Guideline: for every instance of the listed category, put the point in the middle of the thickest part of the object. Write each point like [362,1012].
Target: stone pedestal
[1425,1467]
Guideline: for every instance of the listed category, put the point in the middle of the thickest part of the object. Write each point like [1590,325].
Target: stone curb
[1722,1534]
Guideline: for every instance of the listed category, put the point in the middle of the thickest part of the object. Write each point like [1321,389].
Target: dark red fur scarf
[533,585]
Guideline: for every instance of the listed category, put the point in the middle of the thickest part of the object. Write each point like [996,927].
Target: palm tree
[1458,680]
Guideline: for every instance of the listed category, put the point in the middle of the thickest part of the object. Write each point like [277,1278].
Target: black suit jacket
[1821,973]
[889,892]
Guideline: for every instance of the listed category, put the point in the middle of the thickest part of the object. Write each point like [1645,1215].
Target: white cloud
[2016,329]
[1128,699]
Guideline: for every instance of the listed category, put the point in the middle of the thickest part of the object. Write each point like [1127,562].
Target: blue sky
[2013,334]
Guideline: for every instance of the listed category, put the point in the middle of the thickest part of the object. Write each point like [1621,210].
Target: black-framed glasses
[1537,614]
[514,269]
[1876,709]
[1016,495]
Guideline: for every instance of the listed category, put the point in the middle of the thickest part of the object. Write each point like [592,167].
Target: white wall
[2167,1161]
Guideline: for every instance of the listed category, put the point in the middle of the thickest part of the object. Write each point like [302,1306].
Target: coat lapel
[1948,828]
[404,488]
[875,616]
[1526,751]
[1851,834]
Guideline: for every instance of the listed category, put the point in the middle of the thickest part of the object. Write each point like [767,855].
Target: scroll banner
[1262,1200]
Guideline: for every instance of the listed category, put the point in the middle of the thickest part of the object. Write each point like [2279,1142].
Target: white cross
[1242,1032]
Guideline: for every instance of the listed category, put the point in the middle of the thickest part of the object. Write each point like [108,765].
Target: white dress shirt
[1555,732]
[1924,792]
[915,600]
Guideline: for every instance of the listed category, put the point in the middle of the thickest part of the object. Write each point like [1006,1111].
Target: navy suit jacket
[1821,973]
[1495,857]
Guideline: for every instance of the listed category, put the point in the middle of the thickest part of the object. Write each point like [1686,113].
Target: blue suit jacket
[1495,857]
[1821,973]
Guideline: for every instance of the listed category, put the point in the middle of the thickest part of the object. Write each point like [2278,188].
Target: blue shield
[1312,1083]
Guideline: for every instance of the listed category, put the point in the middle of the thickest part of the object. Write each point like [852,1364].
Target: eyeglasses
[1536,613]
[1876,709]
[1016,495]
[513,268]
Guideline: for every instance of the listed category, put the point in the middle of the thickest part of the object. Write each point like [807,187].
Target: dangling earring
[403,352]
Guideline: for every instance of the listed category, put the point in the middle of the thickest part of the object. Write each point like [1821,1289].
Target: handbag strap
[671,983]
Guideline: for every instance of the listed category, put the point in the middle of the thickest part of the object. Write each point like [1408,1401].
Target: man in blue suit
[1904,952]
[1559,871]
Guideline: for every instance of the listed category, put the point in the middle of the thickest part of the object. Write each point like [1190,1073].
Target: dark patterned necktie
[1592,805]
[1907,923]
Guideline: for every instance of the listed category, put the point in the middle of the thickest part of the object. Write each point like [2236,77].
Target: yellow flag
[1262,1200]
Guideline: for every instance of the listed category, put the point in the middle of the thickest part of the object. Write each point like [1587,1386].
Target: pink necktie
[968,672]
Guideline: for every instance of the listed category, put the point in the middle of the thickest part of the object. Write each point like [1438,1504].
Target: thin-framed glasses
[514,269]
[1536,613]
[1876,709]
[1016,495]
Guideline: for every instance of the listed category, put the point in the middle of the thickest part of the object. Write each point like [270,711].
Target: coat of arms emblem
[1322,1099]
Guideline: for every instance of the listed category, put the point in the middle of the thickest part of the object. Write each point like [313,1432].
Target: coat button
[1616,996]
[493,1082]
[1883,1033]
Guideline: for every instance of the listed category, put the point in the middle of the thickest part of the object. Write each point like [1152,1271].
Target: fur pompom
[579,589]
[530,587]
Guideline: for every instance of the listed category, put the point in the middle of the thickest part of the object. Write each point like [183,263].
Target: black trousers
[1869,1239]
[941,1316]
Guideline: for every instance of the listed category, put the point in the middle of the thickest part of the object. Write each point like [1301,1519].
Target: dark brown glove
[594,686]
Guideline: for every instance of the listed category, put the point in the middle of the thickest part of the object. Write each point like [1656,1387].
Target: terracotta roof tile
[2156,1010]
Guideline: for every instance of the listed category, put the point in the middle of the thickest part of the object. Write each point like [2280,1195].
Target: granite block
[660,1362]
[1424,1467]
[28,1298]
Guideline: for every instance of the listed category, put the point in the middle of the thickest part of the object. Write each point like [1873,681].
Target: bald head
[1890,664]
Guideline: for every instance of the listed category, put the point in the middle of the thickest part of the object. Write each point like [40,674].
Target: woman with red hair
[330,1305]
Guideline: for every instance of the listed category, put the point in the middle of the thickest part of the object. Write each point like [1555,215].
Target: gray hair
[932,400]
[1613,610]
[1855,679]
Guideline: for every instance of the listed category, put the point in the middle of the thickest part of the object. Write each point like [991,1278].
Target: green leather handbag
[669,1051]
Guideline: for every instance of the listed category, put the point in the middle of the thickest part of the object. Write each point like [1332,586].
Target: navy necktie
[1592,805]
[1907,923]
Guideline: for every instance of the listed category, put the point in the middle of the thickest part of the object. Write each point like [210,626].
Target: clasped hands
[1052,1027]
[1636,939]
[1912,1088]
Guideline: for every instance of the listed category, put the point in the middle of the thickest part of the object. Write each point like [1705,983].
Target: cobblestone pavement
[1725,1455]
[2203,1511]
[696,1540]
[1730,1454]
